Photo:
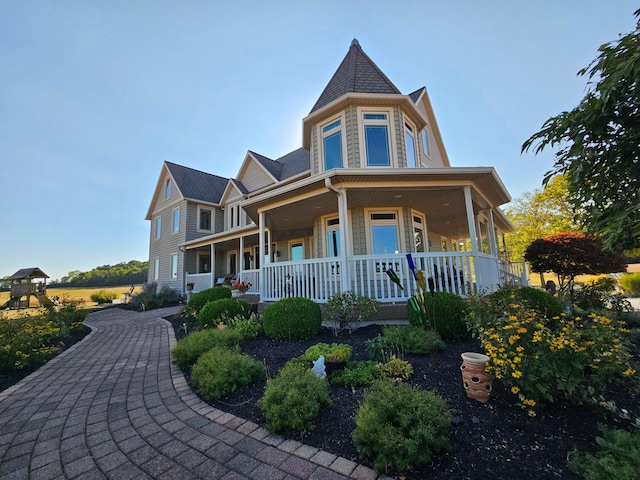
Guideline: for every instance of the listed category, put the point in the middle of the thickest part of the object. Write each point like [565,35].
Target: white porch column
[262,253]
[491,235]
[213,264]
[478,232]
[472,232]
[241,255]
[345,235]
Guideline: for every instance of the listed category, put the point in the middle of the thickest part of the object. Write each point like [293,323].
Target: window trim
[389,123]
[399,223]
[422,226]
[175,227]
[174,274]
[322,167]
[294,242]
[158,227]
[156,269]
[426,144]
[234,217]
[210,210]
[330,228]
[410,129]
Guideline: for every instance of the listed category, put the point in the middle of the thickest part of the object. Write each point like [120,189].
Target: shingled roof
[356,74]
[25,273]
[197,185]
[289,165]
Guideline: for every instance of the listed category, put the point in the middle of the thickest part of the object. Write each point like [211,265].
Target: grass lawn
[81,295]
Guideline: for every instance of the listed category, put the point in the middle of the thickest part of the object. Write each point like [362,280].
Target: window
[332,144]
[234,216]
[410,142]
[156,268]
[425,141]
[384,233]
[176,220]
[158,227]
[204,222]
[297,251]
[376,139]
[233,263]
[167,189]
[174,266]
[419,232]
[333,237]
[204,262]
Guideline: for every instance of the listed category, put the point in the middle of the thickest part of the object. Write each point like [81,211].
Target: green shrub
[293,399]
[535,299]
[292,319]
[103,297]
[397,369]
[398,426]
[190,348]
[248,327]
[223,370]
[618,457]
[336,352]
[219,310]
[150,298]
[412,339]
[446,312]
[356,374]
[200,299]
[630,283]
[347,310]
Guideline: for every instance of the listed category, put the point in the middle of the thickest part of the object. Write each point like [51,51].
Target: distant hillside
[129,273]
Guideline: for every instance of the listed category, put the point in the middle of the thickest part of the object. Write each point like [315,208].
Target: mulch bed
[493,440]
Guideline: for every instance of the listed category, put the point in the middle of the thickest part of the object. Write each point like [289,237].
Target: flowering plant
[190,285]
[242,286]
[545,359]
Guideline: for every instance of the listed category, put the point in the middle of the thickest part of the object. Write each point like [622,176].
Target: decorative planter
[475,379]
[236,293]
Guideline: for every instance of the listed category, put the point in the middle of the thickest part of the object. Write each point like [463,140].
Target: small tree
[570,254]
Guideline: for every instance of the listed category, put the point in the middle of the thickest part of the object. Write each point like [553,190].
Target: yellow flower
[516,374]
[531,413]
[515,390]
[629,371]
[522,330]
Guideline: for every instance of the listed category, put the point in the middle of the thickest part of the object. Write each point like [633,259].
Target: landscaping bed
[493,440]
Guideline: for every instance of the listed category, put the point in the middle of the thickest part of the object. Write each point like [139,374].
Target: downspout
[343,217]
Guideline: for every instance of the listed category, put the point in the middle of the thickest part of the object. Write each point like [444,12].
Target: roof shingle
[197,185]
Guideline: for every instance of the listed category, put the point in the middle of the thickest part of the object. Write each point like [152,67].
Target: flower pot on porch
[475,379]
[236,293]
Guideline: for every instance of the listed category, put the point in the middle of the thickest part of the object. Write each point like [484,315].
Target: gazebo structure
[23,285]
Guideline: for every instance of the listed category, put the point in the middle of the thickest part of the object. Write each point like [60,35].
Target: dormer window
[332,144]
[410,141]
[376,139]
[167,188]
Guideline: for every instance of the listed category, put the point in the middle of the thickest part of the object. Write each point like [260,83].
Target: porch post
[472,232]
[491,235]
[262,261]
[345,235]
[241,257]
[478,232]
[213,264]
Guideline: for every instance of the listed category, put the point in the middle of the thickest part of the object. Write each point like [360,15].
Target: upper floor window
[332,144]
[174,266]
[176,220]
[204,219]
[156,268]
[376,139]
[410,141]
[167,188]
[234,216]
[425,141]
[158,227]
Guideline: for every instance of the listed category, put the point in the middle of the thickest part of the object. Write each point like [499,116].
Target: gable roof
[271,166]
[415,96]
[294,163]
[196,185]
[24,273]
[356,74]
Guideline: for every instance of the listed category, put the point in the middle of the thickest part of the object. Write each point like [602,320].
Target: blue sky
[95,95]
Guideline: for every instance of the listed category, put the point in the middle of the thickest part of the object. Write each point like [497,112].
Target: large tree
[598,144]
[539,213]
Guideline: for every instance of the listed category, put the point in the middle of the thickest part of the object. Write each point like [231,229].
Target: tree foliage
[570,254]
[598,144]
[129,273]
[539,213]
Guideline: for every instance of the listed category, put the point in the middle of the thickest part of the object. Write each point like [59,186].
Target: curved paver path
[113,406]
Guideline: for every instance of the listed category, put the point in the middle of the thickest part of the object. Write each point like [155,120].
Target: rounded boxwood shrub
[536,299]
[336,352]
[190,348]
[223,370]
[446,313]
[200,299]
[399,426]
[293,399]
[219,310]
[292,319]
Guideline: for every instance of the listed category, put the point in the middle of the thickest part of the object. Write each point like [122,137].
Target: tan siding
[352,136]
[398,129]
[318,237]
[358,232]
[435,158]
[315,151]
[218,219]
[255,177]
[167,245]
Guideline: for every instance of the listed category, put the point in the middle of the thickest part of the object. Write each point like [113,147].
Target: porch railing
[317,279]
[201,281]
[252,277]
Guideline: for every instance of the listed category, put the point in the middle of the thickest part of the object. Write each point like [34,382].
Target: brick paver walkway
[113,406]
